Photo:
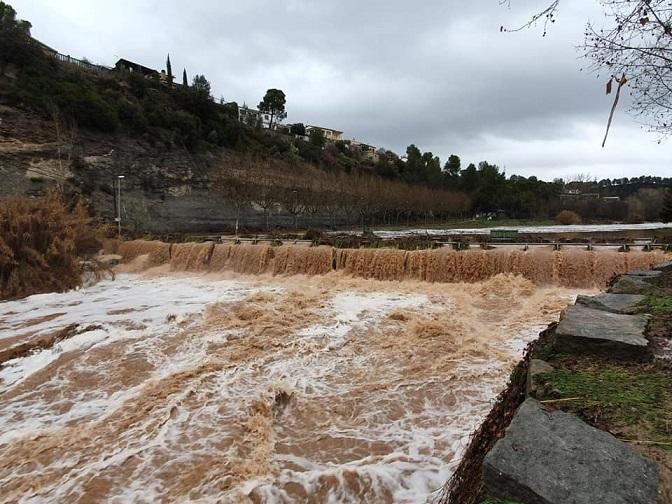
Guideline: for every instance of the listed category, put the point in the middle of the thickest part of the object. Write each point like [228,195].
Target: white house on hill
[251,117]
[330,135]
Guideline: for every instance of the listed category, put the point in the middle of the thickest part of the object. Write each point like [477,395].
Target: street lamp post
[118,219]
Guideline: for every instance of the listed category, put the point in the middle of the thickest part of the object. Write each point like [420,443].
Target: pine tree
[185,82]
[169,69]
[666,212]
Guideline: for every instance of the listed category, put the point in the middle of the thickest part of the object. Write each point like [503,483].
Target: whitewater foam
[279,389]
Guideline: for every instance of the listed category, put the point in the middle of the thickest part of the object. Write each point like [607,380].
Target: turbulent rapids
[216,373]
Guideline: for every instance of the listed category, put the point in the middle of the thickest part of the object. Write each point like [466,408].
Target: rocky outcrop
[165,188]
[552,457]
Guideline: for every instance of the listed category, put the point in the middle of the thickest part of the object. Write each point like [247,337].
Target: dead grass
[42,241]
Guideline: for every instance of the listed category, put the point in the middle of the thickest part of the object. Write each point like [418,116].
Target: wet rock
[552,457]
[615,303]
[537,369]
[582,329]
[645,274]
[628,284]
[663,266]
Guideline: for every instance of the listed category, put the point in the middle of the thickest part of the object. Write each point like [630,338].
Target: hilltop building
[330,135]
[252,117]
[366,151]
[124,65]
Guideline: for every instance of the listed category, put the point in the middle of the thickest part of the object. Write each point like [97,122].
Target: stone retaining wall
[531,452]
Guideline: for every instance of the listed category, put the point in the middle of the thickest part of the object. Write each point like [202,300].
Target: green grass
[658,304]
[638,397]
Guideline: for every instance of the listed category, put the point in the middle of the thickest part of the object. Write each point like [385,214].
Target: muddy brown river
[230,388]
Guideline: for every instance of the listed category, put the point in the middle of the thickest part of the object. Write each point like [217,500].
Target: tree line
[271,186]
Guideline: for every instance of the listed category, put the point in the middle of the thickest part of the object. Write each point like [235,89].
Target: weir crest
[568,268]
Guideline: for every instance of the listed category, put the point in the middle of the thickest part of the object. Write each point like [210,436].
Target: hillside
[189,164]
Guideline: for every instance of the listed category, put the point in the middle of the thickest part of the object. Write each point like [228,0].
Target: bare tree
[293,199]
[234,185]
[65,133]
[265,193]
[634,48]
[546,15]
[637,48]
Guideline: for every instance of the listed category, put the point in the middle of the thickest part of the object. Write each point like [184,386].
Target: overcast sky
[437,73]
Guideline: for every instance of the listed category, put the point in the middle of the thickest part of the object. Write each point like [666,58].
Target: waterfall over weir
[568,268]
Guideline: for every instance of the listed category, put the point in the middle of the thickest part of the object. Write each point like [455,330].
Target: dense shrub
[309,152]
[82,102]
[41,242]
[567,217]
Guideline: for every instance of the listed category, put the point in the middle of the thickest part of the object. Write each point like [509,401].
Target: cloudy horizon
[439,75]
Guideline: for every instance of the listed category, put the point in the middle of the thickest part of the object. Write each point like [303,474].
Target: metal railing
[63,58]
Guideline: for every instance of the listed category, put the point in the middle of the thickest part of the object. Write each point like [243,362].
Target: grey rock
[645,274]
[615,303]
[535,371]
[585,330]
[552,457]
[629,284]
[663,266]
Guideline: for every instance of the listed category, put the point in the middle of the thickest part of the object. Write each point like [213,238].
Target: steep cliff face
[164,189]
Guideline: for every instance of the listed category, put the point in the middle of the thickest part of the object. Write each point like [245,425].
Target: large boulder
[552,457]
[586,330]
[615,303]
[628,284]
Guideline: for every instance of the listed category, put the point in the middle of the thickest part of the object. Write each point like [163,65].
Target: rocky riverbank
[587,416]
